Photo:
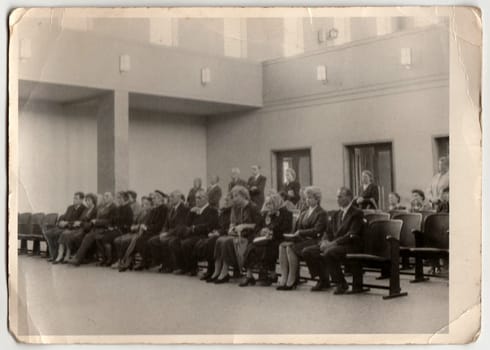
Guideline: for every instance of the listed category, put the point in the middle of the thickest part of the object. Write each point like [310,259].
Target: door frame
[435,151]
[346,159]
[274,152]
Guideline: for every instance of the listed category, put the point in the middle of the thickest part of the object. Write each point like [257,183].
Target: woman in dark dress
[291,186]
[310,226]
[369,198]
[70,239]
[263,251]
[244,221]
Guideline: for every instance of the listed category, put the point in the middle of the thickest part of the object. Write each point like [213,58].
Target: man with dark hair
[345,228]
[135,206]
[65,221]
[214,192]
[169,235]
[235,179]
[256,186]
[191,197]
[156,221]
[202,219]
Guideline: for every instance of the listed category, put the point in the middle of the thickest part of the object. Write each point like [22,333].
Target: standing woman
[244,219]
[369,198]
[311,225]
[263,251]
[291,186]
[70,239]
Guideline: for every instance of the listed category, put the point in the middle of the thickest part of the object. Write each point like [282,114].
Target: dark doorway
[378,158]
[299,160]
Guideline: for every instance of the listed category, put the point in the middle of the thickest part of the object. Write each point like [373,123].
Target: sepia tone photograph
[244,175]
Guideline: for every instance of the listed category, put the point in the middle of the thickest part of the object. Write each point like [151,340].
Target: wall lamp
[124,63]
[205,76]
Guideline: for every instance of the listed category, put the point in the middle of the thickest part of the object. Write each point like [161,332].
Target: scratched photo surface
[226,175]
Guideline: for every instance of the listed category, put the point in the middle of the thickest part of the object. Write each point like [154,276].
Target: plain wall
[165,151]
[57,154]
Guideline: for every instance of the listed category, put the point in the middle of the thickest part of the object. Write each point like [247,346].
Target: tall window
[377,158]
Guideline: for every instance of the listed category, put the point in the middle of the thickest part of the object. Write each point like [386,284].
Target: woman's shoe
[280,287]
[211,279]
[222,280]
[248,281]
[290,287]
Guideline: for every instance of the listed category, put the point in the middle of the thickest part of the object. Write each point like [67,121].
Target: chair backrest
[436,228]
[36,224]
[375,238]
[50,220]
[370,217]
[411,221]
[395,212]
[368,211]
[24,224]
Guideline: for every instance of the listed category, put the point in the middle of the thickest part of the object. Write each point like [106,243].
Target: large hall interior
[112,103]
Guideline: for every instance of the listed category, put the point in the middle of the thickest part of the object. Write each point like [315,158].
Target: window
[299,160]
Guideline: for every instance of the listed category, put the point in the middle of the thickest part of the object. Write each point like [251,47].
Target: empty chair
[430,243]
[411,222]
[37,232]
[380,250]
[370,217]
[23,230]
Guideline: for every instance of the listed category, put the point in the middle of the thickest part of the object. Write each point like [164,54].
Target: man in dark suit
[72,214]
[203,218]
[161,245]
[235,179]
[343,236]
[151,228]
[214,192]
[256,186]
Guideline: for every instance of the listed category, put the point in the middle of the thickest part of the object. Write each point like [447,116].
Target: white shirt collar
[202,209]
[345,209]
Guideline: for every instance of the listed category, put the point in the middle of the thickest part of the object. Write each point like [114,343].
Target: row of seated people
[239,235]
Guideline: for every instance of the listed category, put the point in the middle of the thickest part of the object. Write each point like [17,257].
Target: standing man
[214,192]
[133,203]
[72,214]
[256,186]
[235,179]
[439,182]
[191,197]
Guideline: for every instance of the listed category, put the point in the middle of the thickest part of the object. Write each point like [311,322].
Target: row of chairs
[31,227]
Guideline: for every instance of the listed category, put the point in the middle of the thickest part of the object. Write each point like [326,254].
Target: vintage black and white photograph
[244,175]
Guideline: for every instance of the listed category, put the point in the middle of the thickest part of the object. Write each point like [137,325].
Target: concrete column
[112,142]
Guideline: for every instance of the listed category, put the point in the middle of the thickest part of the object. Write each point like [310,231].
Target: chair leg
[419,270]
[357,279]
[395,290]
[36,247]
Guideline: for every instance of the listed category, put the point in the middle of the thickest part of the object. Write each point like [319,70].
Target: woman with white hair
[291,186]
[369,198]
[310,226]
[263,251]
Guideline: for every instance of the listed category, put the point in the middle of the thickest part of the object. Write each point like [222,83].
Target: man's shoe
[192,273]
[222,280]
[319,286]
[179,272]
[248,281]
[341,289]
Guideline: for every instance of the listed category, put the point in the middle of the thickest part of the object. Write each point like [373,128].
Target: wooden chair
[23,230]
[380,250]
[411,222]
[370,217]
[430,243]
[37,235]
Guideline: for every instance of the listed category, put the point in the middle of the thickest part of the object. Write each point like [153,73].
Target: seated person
[135,206]
[394,202]
[160,245]
[65,221]
[204,249]
[120,224]
[71,238]
[151,228]
[369,197]
[443,204]
[311,224]
[105,214]
[202,219]
[122,243]
[324,259]
[418,203]
[244,219]
[262,253]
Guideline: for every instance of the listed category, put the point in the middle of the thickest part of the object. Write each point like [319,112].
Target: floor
[90,300]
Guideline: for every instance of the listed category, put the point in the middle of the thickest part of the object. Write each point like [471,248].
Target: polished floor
[89,300]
